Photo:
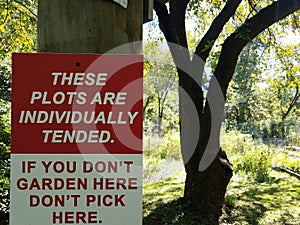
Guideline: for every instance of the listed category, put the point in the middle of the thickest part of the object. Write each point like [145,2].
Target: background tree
[159,88]
[285,86]
[17,34]
[242,93]
[205,186]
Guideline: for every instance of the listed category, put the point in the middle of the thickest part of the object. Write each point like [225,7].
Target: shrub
[170,146]
[256,161]
[253,158]
[166,147]
[287,160]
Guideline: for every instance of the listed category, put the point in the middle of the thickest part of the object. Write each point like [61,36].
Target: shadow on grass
[273,202]
[258,202]
[250,213]
[174,213]
[163,205]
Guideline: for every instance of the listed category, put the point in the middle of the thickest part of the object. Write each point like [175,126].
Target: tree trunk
[205,186]
[205,191]
[89,26]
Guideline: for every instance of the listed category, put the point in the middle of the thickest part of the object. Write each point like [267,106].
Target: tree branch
[207,42]
[163,19]
[6,14]
[27,8]
[234,44]
[292,104]
[173,26]
[178,5]
[177,13]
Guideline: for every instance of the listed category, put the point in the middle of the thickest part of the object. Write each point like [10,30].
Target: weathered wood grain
[89,26]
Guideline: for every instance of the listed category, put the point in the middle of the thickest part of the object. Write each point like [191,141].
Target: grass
[256,195]
[288,160]
[273,202]
[247,202]
[162,203]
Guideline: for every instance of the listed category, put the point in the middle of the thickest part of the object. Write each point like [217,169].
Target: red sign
[66,103]
[76,139]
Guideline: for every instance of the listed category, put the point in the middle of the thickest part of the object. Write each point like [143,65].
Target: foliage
[263,91]
[171,146]
[256,161]
[287,160]
[160,85]
[17,26]
[5,82]
[4,183]
[252,158]
[294,135]
[242,107]
[4,161]
[18,33]
[159,152]
[283,89]
[263,98]
[151,167]
[167,147]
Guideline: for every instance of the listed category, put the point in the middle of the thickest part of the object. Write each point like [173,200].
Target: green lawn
[276,201]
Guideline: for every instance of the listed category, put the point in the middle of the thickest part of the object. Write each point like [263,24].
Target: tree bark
[205,190]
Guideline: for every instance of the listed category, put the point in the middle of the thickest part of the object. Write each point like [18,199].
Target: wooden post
[89,26]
